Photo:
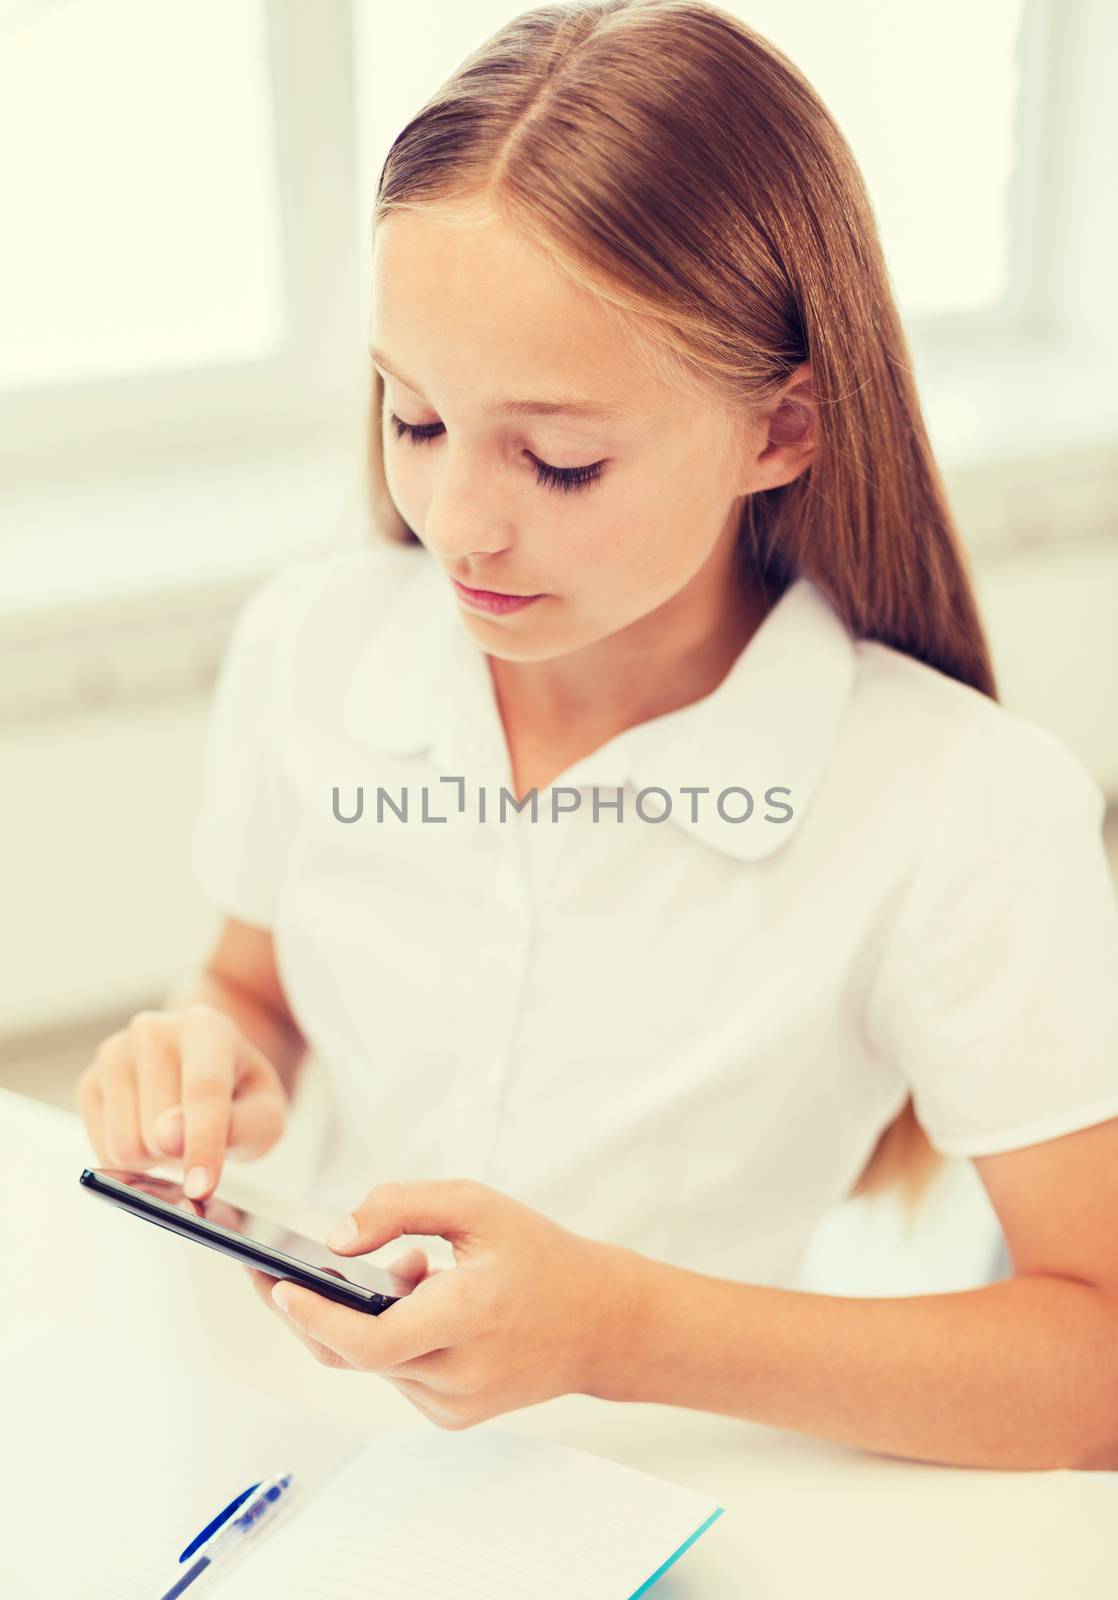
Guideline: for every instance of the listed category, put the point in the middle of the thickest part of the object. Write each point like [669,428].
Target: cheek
[678,527]
[616,569]
[624,548]
[639,544]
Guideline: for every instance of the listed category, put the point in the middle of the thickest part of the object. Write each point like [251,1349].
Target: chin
[500,642]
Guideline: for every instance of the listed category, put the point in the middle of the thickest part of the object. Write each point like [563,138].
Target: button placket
[504,974]
[471,1114]
[517,943]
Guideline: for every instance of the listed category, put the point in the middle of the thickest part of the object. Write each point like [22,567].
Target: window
[141,199]
[180,271]
[928,102]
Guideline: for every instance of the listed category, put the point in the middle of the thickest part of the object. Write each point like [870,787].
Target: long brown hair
[675,164]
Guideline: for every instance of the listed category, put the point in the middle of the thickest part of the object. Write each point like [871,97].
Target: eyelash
[565,479]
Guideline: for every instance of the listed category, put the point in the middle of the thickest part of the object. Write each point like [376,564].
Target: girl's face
[625,501]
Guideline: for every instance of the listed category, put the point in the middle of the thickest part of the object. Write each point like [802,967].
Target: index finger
[208,1059]
[425,1320]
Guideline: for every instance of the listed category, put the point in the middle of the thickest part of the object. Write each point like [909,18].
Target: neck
[669,658]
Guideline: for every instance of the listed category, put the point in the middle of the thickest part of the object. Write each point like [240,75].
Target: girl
[632,825]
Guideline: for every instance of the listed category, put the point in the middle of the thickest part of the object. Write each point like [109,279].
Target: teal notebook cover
[674,1557]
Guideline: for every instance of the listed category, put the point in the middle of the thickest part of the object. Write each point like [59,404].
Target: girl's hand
[181,1083]
[528,1311]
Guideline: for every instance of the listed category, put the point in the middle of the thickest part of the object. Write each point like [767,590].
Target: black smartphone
[251,1239]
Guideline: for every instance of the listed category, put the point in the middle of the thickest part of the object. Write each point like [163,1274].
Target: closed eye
[562,478]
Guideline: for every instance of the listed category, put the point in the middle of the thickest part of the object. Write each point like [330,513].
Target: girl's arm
[240,978]
[1019,1374]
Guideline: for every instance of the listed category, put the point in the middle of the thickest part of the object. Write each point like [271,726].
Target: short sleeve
[997,993]
[238,843]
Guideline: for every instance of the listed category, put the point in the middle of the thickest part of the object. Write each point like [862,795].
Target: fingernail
[341,1237]
[196,1183]
[279,1295]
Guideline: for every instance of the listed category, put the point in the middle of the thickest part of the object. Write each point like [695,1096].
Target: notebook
[483,1514]
[118,1458]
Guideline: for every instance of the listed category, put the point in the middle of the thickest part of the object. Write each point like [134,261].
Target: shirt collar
[423,684]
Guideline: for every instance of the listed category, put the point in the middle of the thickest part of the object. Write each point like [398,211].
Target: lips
[503,594]
[492,601]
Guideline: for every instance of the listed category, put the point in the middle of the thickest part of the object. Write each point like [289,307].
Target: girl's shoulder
[993,979]
[912,723]
[318,608]
[321,587]
[300,633]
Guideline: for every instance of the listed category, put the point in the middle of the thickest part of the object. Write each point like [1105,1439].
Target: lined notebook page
[480,1515]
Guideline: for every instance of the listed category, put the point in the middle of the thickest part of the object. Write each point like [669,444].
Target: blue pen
[227,1531]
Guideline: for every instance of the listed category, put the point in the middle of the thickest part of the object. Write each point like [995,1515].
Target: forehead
[553,404]
[479,306]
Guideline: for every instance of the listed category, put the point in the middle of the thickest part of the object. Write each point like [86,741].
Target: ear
[787,435]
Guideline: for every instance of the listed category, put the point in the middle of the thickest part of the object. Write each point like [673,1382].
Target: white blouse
[680,1024]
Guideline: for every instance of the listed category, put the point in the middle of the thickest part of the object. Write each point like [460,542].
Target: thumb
[451,1208]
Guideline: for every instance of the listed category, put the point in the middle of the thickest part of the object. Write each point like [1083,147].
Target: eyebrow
[560,405]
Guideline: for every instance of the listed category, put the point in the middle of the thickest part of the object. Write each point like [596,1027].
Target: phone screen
[249,1237]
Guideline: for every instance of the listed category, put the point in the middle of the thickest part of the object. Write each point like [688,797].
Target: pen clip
[222,1517]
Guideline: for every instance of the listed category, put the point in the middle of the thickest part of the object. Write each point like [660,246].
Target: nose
[462,519]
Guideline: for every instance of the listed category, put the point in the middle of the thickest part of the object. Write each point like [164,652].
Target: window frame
[307,387]
[1046,336]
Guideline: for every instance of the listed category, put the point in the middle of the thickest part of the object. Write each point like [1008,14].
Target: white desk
[124,1305]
